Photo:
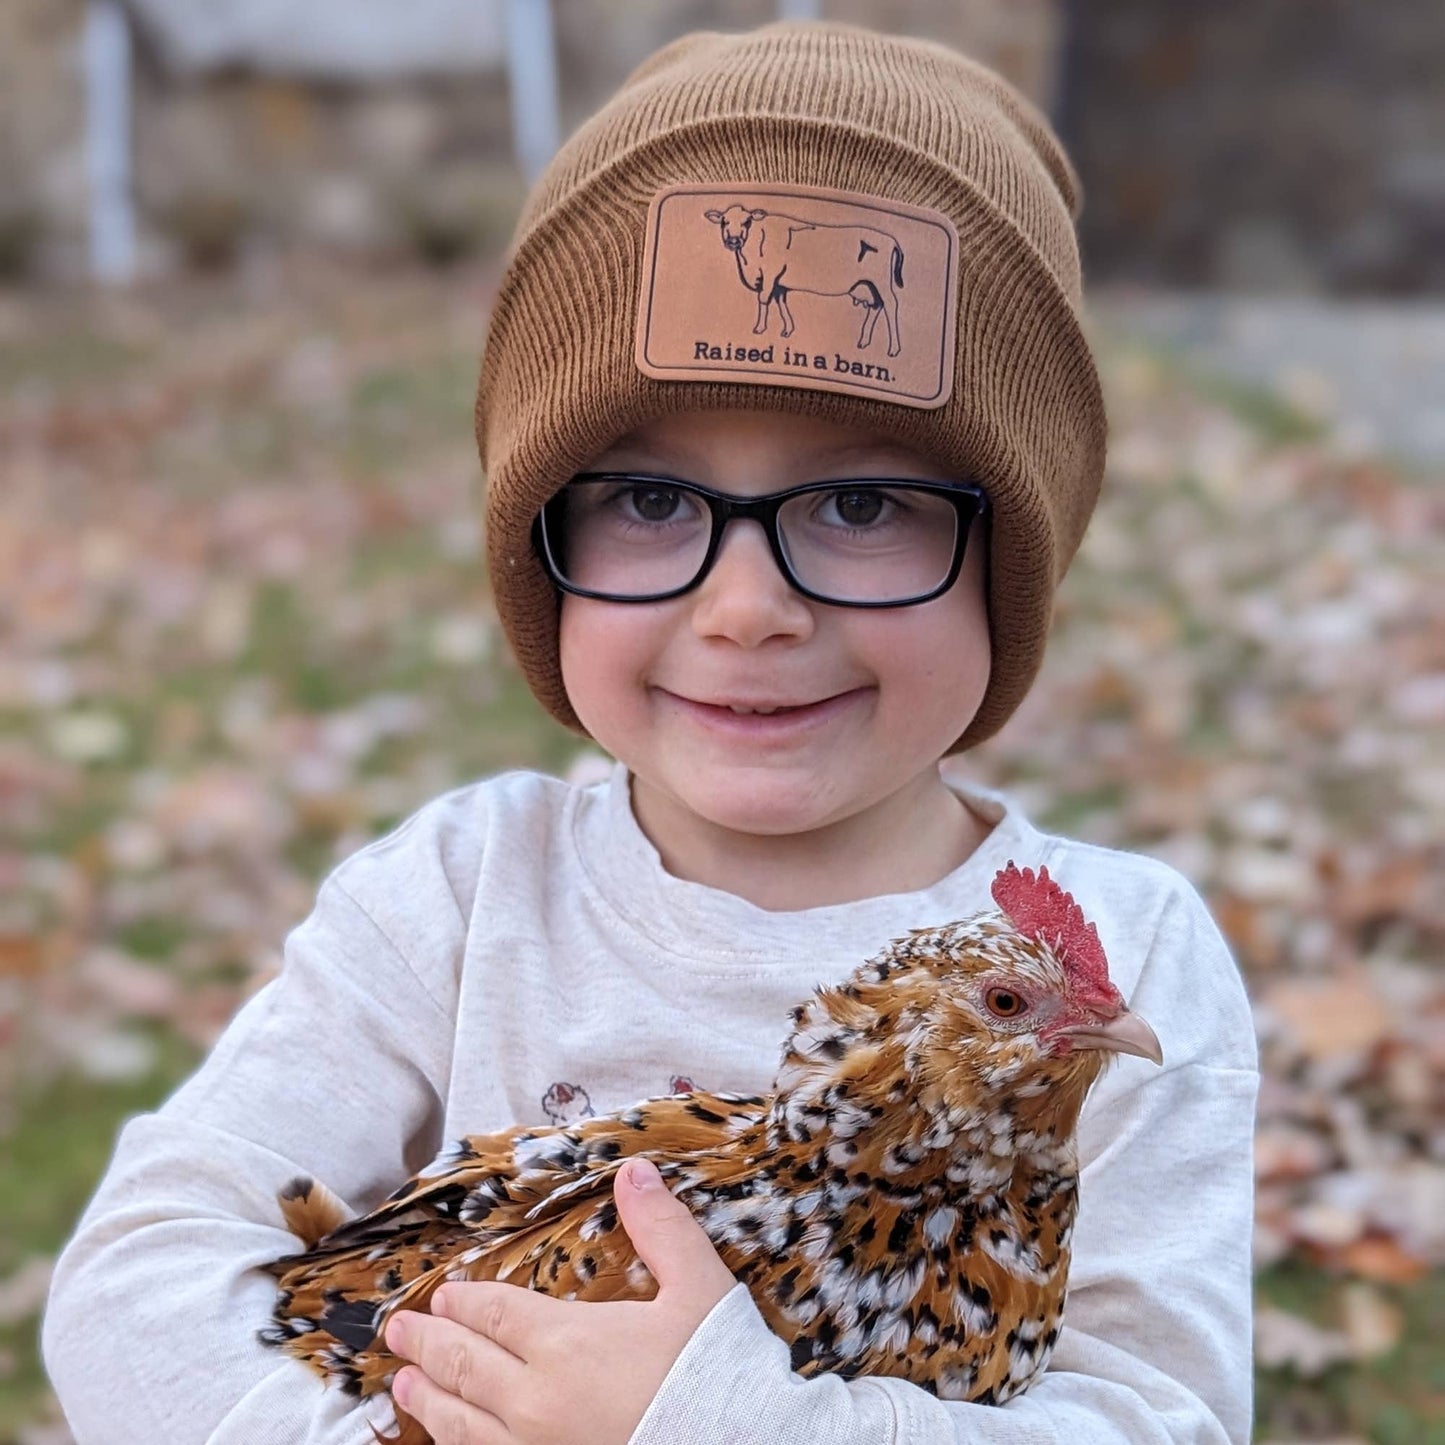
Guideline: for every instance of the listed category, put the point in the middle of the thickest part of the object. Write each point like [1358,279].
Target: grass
[1397,1398]
[1262,409]
[49,1167]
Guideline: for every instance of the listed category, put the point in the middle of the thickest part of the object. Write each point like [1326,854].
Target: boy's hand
[498,1365]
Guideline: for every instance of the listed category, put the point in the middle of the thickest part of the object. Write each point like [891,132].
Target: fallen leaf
[1372,1324]
[23,1293]
[1282,1339]
[1332,1016]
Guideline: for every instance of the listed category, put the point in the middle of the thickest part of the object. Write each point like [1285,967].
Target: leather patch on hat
[799,286]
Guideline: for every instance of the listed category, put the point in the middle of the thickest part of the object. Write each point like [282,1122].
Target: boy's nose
[745,598]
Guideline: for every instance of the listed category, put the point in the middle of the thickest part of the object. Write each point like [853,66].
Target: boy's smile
[781,748]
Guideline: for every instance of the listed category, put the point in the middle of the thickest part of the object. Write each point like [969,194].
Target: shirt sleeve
[150,1331]
[1155,1349]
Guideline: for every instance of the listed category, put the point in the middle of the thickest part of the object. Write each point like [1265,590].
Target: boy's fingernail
[643,1174]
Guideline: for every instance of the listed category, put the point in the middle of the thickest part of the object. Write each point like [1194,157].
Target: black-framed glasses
[859,542]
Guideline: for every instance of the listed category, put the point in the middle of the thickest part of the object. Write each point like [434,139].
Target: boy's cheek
[600,664]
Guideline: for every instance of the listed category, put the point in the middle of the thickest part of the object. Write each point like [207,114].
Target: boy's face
[888,691]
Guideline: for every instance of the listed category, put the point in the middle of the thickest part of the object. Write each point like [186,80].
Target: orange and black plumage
[901,1203]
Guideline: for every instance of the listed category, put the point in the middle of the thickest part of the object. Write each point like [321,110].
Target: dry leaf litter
[1247,679]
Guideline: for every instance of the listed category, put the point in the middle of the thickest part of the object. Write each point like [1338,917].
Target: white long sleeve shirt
[516,953]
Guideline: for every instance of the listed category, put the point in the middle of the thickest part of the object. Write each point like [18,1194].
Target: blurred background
[246,257]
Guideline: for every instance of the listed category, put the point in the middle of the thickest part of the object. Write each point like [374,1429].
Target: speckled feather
[901,1204]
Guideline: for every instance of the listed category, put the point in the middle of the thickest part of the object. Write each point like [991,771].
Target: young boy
[837,272]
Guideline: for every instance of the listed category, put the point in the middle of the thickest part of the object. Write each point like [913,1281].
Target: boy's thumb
[668,1240]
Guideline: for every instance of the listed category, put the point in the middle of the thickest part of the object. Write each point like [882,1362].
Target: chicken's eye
[1005,1003]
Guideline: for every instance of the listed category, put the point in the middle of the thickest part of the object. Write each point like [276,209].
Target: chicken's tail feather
[311,1210]
[375,1370]
[409,1431]
[415,1294]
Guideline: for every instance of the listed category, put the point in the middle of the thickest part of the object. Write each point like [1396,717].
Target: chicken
[901,1204]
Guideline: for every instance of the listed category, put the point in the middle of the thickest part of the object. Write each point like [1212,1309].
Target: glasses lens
[627,537]
[870,543]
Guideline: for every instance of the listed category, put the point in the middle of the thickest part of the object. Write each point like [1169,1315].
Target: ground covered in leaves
[246,629]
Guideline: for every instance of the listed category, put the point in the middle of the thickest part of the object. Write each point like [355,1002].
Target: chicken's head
[1008,1014]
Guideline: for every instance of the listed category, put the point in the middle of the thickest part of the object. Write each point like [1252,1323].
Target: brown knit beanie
[897,176]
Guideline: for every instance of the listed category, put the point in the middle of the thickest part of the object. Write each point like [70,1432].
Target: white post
[532,73]
[105,58]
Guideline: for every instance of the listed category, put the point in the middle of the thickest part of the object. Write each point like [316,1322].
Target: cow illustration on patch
[777,254]
[762,284]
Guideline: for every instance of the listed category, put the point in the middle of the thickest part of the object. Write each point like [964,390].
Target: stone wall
[233,163]
[1290,145]
[241,162]
[1293,145]
[599,41]
[42,161]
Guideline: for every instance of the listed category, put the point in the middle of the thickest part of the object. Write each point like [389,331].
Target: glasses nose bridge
[749,593]
[762,510]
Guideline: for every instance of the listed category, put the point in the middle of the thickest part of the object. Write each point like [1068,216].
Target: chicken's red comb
[1040,909]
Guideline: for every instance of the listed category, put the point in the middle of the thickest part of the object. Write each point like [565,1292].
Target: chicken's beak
[1126,1034]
